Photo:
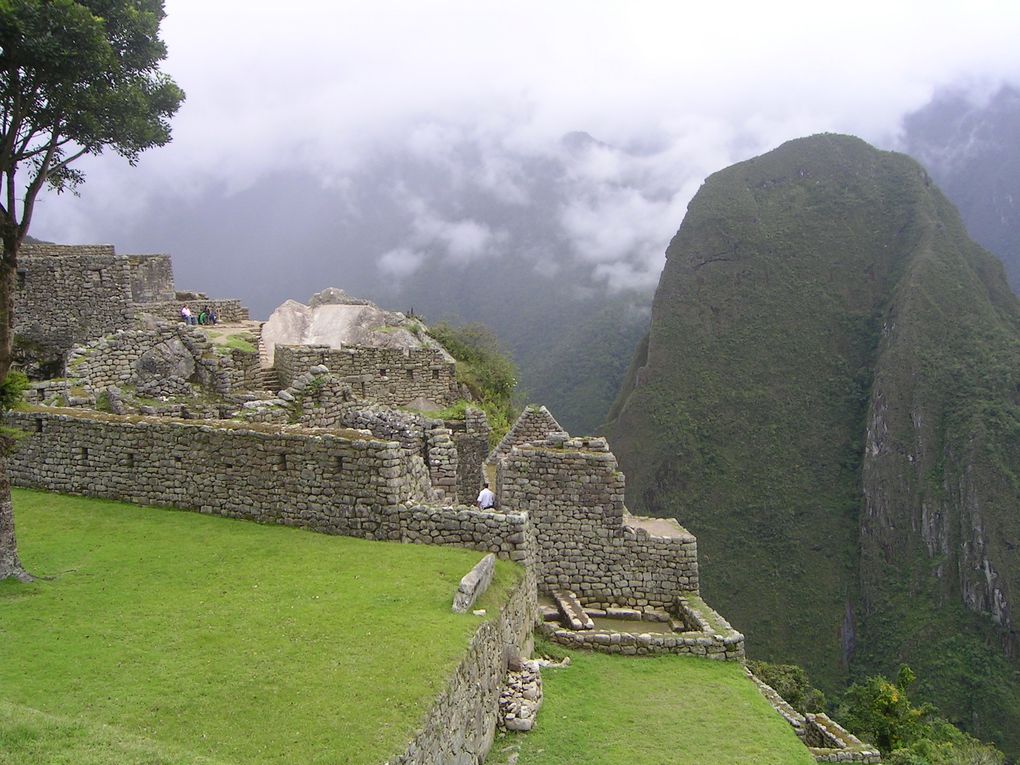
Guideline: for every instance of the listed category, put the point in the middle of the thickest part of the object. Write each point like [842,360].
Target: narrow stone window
[282,463]
[84,453]
[435,374]
[22,276]
[38,425]
[130,460]
[410,374]
[338,464]
[177,458]
[382,372]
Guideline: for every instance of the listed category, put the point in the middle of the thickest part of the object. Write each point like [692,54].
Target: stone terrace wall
[535,424]
[68,295]
[228,310]
[160,361]
[151,278]
[324,480]
[461,726]
[389,376]
[572,490]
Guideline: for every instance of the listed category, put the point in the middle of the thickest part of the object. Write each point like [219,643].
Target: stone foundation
[706,634]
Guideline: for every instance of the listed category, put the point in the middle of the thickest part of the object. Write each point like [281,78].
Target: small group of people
[206,316]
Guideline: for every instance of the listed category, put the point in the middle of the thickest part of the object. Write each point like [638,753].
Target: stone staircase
[572,611]
[269,376]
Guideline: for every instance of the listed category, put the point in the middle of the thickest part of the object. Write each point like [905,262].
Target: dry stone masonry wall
[151,278]
[328,481]
[388,376]
[471,437]
[535,424]
[461,725]
[160,361]
[227,310]
[572,490]
[700,632]
[70,294]
[322,400]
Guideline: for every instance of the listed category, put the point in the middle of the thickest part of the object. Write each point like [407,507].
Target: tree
[76,77]
[881,712]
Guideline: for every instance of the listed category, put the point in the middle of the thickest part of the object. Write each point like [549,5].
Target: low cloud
[475,99]
[400,262]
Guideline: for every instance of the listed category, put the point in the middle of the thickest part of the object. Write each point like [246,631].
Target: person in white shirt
[486,499]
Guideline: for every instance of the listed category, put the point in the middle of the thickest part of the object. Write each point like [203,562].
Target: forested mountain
[829,398]
[973,152]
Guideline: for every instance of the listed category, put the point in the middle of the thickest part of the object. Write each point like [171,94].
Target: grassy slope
[748,422]
[607,710]
[219,638]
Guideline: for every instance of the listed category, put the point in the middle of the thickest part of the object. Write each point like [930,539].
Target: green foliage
[103,402]
[12,390]
[882,713]
[78,77]
[484,369]
[241,343]
[791,682]
[456,411]
[189,634]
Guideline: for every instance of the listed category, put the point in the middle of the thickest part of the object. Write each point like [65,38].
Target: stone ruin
[71,294]
[310,434]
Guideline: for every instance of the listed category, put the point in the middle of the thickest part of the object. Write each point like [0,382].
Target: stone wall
[704,633]
[331,481]
[471,436]
[228,310]
[68,295]
[163,360]
[461,726]
[151,278]
[388,376]
[535,424]
[572,490]
[418,435]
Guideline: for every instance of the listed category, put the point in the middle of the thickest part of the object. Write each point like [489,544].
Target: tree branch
[67,161]
[33,188]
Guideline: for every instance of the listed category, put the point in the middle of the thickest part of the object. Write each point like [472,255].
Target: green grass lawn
[664,710]
[171,637]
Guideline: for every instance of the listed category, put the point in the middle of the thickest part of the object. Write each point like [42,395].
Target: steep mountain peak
[831,364]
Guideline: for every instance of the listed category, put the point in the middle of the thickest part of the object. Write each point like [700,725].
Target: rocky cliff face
[829,398]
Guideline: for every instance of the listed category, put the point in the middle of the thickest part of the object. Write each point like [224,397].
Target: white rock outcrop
[335,319]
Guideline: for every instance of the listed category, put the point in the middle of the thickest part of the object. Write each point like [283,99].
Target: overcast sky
[675,91]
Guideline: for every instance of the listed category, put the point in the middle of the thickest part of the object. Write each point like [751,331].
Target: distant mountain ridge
[973,152]
[829,398]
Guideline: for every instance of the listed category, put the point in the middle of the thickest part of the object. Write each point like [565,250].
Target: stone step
[572,610]
[269,379]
